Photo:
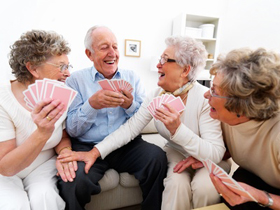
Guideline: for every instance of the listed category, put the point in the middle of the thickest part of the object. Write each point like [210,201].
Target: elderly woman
[245,98]
[191,135]
[28,137]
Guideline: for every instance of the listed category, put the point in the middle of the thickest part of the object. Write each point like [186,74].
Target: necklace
[185,97]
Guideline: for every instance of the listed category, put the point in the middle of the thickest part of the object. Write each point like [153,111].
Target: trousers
[37,191]
[189,189]
[147,162]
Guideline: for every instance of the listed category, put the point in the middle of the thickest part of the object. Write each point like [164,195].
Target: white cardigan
[198,135]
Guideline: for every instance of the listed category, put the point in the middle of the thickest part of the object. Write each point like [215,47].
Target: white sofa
[122,190]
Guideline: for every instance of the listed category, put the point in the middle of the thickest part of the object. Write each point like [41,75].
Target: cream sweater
[255,146]
[16,122]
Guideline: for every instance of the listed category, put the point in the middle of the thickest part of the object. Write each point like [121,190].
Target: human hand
[106,98]
[128,99]
[170,117]
[88,157]
[233,198]
[66,170]
[185,163]
[46,113]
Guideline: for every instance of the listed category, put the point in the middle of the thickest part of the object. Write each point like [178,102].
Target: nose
[66,73]
[111,51]
[207,94]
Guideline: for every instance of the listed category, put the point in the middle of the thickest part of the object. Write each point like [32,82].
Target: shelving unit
[192,21]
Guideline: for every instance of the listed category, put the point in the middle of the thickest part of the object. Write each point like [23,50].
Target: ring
[48,118]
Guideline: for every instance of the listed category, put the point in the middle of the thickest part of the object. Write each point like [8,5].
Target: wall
[244,23]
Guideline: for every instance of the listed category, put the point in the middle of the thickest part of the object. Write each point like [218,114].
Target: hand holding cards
[226,179]
[48,88]
[116,85]
[175,102]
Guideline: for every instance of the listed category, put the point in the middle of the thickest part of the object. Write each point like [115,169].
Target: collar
[181,90]
[96,75]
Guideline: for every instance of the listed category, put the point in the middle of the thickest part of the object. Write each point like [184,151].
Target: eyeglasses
[212,92]
[163,60]
[63,67]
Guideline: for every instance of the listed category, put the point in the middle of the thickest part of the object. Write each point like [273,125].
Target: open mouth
[110,62]
[160,74]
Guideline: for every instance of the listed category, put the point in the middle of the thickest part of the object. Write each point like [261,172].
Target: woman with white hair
[192,135]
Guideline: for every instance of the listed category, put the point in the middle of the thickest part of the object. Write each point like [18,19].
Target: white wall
[244,23]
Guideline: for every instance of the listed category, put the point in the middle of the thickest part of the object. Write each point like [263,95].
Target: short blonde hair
[35,46]
[251,80]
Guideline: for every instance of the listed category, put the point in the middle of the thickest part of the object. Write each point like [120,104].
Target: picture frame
[132,48]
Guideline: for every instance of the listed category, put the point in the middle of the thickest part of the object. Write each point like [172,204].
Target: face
[106,53]
[51,68]
[170,73]
[218,111]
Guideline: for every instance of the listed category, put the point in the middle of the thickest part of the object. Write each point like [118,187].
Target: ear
[186,71]
[32,69]
[89,54]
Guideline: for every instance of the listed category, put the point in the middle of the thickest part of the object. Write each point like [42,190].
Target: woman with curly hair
[245,97]
[30,139]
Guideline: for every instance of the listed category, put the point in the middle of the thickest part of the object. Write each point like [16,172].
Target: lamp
[154,63]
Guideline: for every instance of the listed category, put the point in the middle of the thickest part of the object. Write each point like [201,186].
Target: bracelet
[70,148]
[270,201]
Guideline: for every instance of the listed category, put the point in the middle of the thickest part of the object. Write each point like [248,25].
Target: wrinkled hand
[183,164]
[106,98]
[88,157]
[169,116]
[232,197]
[46,113]
[66,170]
[128,99]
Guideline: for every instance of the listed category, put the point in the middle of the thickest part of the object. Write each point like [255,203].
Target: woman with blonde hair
[245,97]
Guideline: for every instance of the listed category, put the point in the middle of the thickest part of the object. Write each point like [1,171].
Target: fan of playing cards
[115,85]
[175,102]
[48,88]
[226,179]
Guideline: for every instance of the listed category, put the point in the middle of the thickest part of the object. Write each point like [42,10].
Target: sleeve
[81,116]
[139,96]
[208,144]
[127,131]
[7,128]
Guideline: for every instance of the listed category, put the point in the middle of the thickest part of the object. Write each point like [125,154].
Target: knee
[22,202]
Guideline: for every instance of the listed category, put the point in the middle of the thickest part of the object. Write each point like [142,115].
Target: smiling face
[218,110]
[171,75]
[106,54]
[49,71]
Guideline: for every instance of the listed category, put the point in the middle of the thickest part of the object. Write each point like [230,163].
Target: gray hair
[36,47]
[89,39]
[188,52]
[252,81]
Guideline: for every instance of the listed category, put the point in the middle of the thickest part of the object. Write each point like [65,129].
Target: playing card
[226,179]
[177,104]
[63,93]
[48,88]
[29,98]
[115,85]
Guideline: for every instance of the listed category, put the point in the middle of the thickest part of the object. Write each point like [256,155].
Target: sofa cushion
[150,128]
[128,180]
[110,180]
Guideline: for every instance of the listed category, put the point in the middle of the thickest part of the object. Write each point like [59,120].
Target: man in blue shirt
[94,114]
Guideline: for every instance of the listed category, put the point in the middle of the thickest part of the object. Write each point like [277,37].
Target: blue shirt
[92,125]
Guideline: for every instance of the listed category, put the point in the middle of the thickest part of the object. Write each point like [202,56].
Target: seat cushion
[128,180]
[110,180]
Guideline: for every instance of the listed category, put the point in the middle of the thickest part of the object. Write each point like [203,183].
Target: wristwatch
[270,201]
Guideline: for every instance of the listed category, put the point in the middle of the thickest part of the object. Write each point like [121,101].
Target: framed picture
[132,48]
